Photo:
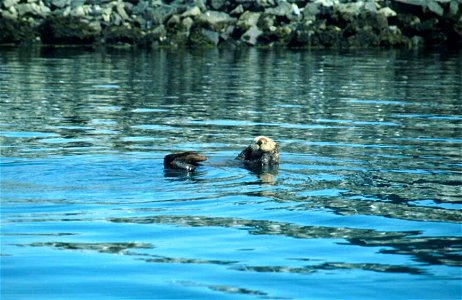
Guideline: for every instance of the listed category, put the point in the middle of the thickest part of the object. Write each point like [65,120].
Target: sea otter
[184,160]
[262,151]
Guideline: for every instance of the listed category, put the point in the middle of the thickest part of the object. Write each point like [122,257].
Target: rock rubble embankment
[289,23]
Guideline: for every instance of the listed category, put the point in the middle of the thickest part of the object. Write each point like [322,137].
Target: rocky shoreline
[278,23]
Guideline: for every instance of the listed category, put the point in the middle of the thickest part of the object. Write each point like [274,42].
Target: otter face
[263,144]
[262,151]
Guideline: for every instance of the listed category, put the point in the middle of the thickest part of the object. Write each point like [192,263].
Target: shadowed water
[365,204]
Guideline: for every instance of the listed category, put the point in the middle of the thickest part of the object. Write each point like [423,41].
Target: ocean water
[365,204]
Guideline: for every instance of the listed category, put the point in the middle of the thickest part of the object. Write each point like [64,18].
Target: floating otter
[262,151]
[184,160]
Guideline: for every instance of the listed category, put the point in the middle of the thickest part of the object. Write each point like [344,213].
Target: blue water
[365,204]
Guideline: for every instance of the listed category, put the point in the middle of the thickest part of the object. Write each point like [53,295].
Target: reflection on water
[368,190]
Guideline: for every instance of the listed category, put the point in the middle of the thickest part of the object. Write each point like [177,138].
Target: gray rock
[283,9]
[76,3]
[211,36]
[216,21]
[120,8]
[140,8]
[247,20]
[11,13]
[453,7]
[161,13]
[191,12]
[310,11]
[435,7]
[187,23]
[226,34]
[33,9]
[265,3]
[250,36]
[238,10]
[61,3]
[217,4]
[159,33]
[10,3]
[204,37]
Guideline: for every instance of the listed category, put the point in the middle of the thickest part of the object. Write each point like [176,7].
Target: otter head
[263,143]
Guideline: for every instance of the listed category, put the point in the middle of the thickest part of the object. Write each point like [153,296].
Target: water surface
[366,203]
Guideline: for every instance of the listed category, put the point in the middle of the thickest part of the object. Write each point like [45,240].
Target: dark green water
[366,203]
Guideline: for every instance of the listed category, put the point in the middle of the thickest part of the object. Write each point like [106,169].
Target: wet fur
[262,151]
[184,160]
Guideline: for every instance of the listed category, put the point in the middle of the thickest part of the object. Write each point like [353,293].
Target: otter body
[262,151]
[184,160]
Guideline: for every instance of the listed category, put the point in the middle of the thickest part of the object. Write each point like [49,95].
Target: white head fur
[263,143]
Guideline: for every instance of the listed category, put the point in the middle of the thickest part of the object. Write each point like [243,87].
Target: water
[366,203]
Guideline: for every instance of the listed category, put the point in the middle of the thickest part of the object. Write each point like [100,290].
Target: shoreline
[221,23]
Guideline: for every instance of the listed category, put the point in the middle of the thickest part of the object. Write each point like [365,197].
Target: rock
[211,36]
[187,23]
[33,9]
[203,37]
[11,13]
[251,35]
[216,21]
[192,12]
[106,14]
[116,19]
[122,35]
[435,7]
[161,13]
[159,33]
[140,7]
[454,7]
[217,4]
[371,7]
[349,11]
[310,11]
[329,36]
[67,30]
[393,37]
[16,31]
[60,3]
[81,11]
[327,3]
[265,3]
[284,9]
[387,12]
[227,33]
[77,3]
[237,11]
[247,20]
[120,8]
[174,22]
[10,3]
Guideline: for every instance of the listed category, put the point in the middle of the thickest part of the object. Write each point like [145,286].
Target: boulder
[191,12]
[9,3]
[16,31]
[247,20]
[251,35]
[67,30]
[215,20]
[59,3]
[203,37]
[285,9]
